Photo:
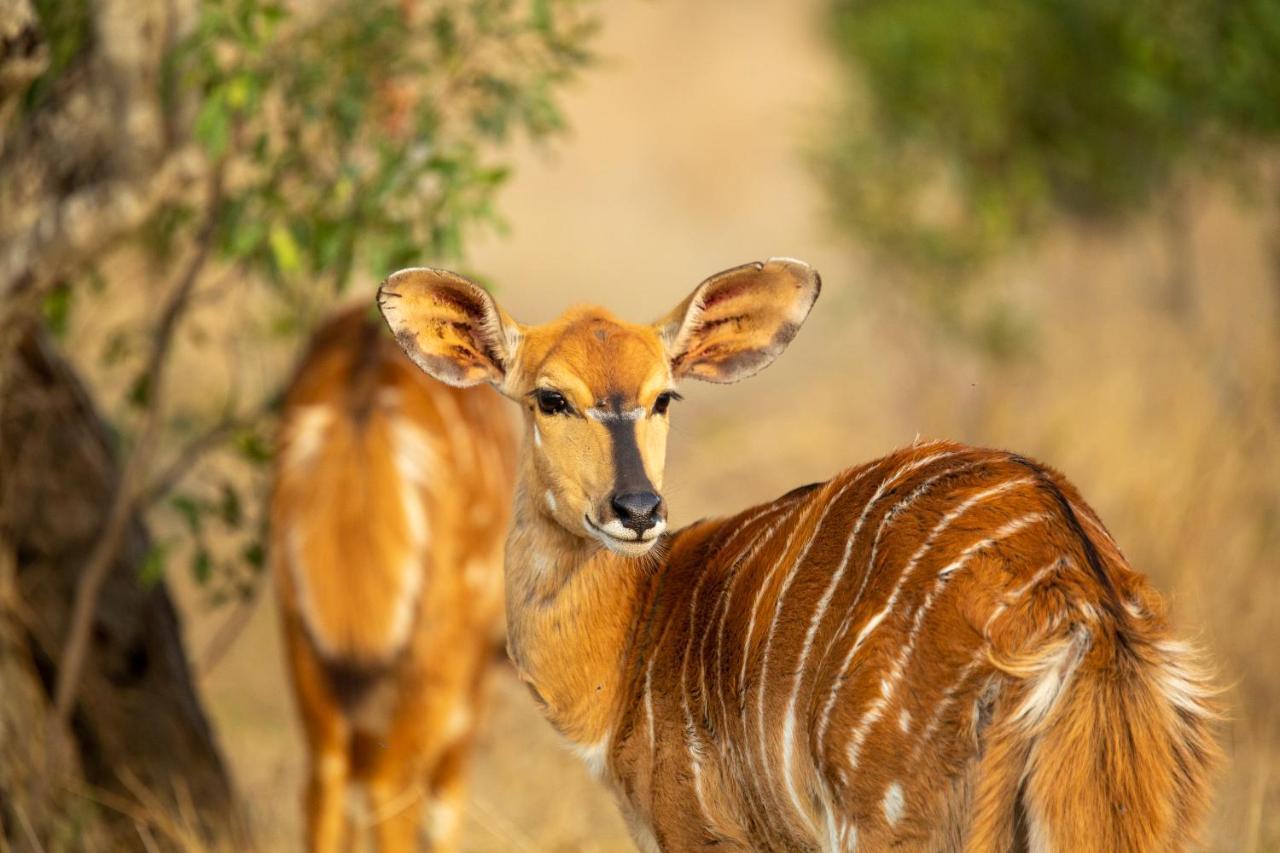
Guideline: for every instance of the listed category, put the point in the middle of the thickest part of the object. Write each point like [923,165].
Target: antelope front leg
[325,801]
[449,796]
[396,800]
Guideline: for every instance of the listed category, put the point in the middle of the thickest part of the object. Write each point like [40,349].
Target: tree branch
[187,458]
[228,632]
[125,500]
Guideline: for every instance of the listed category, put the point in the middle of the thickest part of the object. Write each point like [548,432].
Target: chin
[626,546]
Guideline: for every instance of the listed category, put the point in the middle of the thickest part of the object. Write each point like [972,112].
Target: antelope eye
[551,402]
[663,402]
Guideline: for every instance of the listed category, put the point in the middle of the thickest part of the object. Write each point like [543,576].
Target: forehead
[590,353]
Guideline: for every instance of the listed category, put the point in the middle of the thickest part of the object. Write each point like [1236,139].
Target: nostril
[637,510]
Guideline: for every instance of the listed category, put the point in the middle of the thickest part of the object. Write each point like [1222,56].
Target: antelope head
[596,391]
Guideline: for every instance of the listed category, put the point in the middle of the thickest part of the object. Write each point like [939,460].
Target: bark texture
[140,741]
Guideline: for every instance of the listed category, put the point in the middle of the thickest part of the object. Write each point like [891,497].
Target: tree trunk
[142,746]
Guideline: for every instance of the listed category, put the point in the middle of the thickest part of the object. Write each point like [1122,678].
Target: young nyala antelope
[391,498]
[942,649]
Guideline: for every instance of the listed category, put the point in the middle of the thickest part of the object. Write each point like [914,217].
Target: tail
[1104,745]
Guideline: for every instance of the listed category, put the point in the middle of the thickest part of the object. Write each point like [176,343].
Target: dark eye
[551,402]
[663,402]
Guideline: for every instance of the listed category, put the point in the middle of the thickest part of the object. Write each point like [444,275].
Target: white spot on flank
[893,804]
[551,500]
[904,721]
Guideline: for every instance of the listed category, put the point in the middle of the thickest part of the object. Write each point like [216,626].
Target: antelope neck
[572,611]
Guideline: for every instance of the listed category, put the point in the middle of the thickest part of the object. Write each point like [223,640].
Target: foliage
[361,130]
[346,137]
[971,125]
[68,31]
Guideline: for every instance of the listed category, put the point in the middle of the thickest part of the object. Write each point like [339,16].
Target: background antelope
[940,649]
[391,495]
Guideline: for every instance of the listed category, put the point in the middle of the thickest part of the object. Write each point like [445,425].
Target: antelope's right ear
[449,326]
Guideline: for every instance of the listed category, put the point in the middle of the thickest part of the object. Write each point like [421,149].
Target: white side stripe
[889,516]
[874,621]
[789,717]
[648,706]
[889,684]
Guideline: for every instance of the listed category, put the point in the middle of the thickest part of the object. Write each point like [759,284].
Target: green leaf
[229,507]
[213,126]
[540,15]
[190,509]
[201,566]
[151,572]
[252,447]
[139,395]
[284,249]
[255,555]
[57,310]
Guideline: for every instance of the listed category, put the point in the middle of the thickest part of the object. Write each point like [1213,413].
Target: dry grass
[684,161]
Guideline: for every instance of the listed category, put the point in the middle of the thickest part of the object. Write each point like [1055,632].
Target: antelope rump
[391,498]
[942,649]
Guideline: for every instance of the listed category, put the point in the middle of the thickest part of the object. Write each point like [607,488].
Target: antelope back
[382,472]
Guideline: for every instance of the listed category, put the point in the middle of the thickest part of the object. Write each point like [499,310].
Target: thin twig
[228,632]
[27,829]
[187,457]
[124,501]
[148,840]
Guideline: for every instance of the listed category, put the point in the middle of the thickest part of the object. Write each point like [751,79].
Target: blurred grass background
[691,149]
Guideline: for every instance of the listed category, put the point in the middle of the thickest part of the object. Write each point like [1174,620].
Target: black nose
[637,511]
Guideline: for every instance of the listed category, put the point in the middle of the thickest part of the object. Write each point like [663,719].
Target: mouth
[632,547]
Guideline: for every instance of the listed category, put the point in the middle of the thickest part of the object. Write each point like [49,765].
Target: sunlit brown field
[687,156]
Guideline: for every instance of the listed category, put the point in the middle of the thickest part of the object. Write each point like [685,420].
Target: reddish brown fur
[939,650]
[1114,765]
[394,709]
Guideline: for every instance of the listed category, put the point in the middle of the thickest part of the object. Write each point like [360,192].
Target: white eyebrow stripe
[598,414]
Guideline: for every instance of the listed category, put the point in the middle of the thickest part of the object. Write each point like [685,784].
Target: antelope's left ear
[449,326]
[737,322]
